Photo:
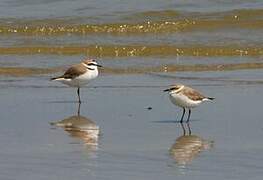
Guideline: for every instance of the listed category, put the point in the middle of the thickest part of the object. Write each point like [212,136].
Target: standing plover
[186,97]
[79,75]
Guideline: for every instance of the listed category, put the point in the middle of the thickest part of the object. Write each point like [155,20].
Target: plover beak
[99,65]
[166,90]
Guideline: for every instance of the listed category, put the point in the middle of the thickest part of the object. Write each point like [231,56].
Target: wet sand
[135,141]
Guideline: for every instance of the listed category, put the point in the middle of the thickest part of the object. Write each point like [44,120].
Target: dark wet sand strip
[136,50]
[168,21]
[130,29]
[180,68]
[25,71]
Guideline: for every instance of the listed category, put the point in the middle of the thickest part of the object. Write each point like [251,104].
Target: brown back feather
[192,94]
[74,71]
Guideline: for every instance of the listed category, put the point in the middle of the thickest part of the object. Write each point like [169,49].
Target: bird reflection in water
[80,127]
[188,146]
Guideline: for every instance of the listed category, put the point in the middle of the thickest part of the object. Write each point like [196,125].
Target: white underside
[183,101]
[81,80]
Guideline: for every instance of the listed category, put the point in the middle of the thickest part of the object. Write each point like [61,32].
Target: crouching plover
[79,75]
[186,97]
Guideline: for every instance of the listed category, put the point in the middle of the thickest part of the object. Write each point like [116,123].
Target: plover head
[174,88]
[91,64]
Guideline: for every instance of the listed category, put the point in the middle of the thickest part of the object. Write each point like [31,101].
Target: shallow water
[134,142]
[126,127]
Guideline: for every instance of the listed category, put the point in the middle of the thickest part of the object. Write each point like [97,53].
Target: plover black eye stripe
[173,88]
[92,64]
[90,69]
[170,89]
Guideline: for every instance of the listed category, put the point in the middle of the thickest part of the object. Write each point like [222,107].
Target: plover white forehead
[186,97]
[79,75]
